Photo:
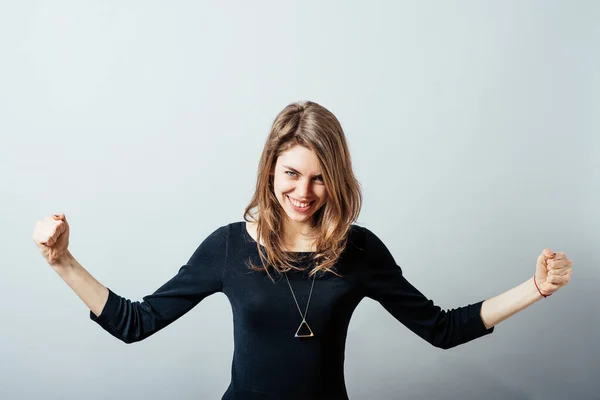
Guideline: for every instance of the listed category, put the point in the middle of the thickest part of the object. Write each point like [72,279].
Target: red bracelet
[536,285]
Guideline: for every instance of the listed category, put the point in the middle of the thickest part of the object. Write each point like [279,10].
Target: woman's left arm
[553,271]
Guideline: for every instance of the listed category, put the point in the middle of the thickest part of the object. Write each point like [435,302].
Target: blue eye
[295,174]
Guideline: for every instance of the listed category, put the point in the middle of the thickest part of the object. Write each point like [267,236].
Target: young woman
[294,271]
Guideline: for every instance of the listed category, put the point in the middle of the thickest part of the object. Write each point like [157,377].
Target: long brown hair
[310,125]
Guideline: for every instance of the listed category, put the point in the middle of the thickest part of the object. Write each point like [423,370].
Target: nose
[303,189]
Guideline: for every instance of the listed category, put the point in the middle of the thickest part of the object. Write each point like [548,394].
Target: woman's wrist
[540,291]
[64,264]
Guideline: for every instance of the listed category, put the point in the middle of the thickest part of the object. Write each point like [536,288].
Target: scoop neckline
[248,236]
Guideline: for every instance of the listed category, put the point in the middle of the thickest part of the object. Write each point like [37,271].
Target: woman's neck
[297,238]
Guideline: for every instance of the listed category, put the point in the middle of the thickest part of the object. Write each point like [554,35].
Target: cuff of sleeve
[110,308]
[478,322]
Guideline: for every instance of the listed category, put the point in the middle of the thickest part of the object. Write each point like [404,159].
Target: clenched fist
[52,237]
[553,271]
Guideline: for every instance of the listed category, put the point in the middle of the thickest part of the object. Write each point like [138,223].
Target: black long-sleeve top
[265,316]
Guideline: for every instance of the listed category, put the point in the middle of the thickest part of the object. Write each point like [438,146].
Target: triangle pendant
[304,331]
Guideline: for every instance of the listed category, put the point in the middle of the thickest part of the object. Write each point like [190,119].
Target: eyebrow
[298,172]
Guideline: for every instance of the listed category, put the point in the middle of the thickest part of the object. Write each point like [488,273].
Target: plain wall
[473,128]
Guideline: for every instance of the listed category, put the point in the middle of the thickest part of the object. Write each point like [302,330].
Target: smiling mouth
[298,204]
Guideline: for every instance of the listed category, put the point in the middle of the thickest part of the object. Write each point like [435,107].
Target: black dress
[268,361]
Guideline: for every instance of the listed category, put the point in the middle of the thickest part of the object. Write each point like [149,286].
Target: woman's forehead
[300,158]
[301,155]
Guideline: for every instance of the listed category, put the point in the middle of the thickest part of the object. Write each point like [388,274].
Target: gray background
[473,130]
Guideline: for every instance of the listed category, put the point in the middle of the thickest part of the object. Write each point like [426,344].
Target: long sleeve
[200,277]
[384,282]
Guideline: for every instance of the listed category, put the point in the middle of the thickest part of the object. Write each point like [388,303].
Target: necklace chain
[296,301]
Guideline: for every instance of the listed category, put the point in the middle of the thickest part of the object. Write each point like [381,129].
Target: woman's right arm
[132,321]
[51,235]
[90,291]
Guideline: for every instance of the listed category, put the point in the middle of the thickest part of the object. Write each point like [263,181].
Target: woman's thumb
[59,216]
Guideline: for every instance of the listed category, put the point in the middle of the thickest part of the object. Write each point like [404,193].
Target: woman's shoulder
[363,239]
[358,234]
[229,226]
[225,232]
[240,231]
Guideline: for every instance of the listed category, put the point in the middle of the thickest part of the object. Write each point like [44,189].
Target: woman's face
[298,184]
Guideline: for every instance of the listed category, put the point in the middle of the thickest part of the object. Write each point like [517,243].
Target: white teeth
[297,204]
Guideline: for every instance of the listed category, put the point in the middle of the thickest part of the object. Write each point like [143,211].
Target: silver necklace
[311,334]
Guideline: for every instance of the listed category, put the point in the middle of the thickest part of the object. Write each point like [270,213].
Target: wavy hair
[312,126]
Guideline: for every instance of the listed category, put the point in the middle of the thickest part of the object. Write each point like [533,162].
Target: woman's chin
[298,218]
